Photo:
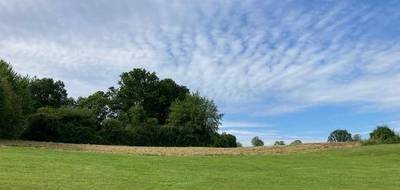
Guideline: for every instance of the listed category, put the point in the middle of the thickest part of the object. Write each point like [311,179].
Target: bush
[62,125]
[382,134]
[256,141]
[296,142]
[225,140]
[339,136]
[279,143]
[112,132]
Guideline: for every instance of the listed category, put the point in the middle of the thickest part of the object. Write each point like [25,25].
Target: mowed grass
[363,167]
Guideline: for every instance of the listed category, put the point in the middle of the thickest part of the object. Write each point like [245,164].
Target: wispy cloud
[253,57]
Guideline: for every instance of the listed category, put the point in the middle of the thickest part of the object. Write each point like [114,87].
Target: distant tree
[256,141]
[48,93]
[279,143]
[339,136]
[296,142]
[238,144]
[382,133]
[197,116]
[357,138]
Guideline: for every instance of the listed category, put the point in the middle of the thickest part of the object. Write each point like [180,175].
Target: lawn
[362,167]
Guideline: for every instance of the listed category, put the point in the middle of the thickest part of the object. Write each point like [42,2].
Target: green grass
[366,167]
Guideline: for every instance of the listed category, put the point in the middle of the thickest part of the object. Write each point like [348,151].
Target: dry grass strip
[180,151]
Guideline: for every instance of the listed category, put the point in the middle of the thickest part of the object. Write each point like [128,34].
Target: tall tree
[10,111]
[48,93]
[142,88]
[196,115]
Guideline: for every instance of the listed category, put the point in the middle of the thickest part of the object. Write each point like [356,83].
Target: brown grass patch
[181,151]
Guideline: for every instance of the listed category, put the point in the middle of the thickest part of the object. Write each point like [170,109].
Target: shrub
[279,143]
[62,125]
[225,140]
[112,132]
[296,142]
[383,134]
[256,141]
[339,136]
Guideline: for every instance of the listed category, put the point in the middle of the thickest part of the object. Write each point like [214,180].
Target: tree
[10,111]
[382,133]
[279,143]
[141,88]
[19,86]
[225,140]
[197,116]
[296,142]
[256,141]
[48,93]
[138,87]
[169,91]
[99,102]
[339,136]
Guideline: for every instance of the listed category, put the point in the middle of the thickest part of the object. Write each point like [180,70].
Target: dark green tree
[279,143]
[142,88]
[99,103]
[197,116]
[225,140]
[256,141]
[296,142]
[339,136]
[10,111]
[48,93]
[382,133]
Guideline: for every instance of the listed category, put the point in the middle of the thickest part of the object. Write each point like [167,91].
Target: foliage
[141,88]
[383,134]
[256,141]
[48,93]
[197,117]
[10,111]
[112,131]
[99,103]
[143,110]
[339,136]
[225,140]
[279,143]
[69,125]
[296,142]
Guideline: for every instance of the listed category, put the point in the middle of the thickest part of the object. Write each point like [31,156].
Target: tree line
[142,110]
[382,134]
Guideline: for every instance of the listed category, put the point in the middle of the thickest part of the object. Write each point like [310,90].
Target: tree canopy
[142,110]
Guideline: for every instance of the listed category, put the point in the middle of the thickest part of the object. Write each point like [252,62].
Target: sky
[280,70]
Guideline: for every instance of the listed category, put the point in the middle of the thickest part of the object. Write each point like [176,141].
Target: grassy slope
[368,167]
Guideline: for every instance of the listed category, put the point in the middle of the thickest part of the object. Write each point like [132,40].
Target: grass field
[360,167]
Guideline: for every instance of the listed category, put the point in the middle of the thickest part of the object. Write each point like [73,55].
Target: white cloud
[256,58]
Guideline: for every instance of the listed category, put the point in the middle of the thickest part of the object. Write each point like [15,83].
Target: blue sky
[281,70]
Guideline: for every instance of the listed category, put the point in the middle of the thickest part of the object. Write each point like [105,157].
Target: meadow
[48,167]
